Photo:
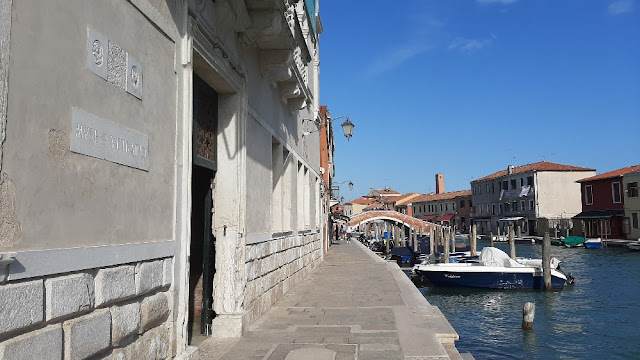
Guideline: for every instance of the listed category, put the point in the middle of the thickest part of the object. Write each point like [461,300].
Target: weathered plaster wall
[558,193]
[62,197]
[258,218]
[5,46]
[268,103]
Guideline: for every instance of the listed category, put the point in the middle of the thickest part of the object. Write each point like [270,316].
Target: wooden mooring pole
[512,244]
[546,261]
[445,232]
[453,240]
[491,239]
[473,240]
[432,240]
[528,315]
[416,248]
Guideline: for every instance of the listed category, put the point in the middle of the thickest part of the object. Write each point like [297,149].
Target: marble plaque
[97,47]
[134,77]
[103,139]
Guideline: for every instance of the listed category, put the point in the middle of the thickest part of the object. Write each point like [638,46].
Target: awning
[515,218]
[427,217]
[445,217]
[598,214]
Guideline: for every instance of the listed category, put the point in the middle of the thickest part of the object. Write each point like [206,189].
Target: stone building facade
[160,179]
[538,198]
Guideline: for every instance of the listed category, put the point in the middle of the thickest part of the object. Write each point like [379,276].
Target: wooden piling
[519,232]
[512,243]
[453,240]
[445,233]
[396,235]
[498,236]
[473,240]
[528,315]
[432,240]
[491,238]
[546,261]
[416,246]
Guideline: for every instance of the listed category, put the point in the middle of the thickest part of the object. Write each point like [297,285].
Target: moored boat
[634,245]
[494,270]
[593,243]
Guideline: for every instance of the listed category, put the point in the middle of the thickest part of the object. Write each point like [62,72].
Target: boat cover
[491,256]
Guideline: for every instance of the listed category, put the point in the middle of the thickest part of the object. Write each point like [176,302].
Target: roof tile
[539,166]
[612,174]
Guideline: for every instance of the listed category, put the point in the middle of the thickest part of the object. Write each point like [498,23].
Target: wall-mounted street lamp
[350,184]
[347,126]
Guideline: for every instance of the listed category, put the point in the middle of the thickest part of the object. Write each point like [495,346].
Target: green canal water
[596,318]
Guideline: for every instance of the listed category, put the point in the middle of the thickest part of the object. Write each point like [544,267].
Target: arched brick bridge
[394,216]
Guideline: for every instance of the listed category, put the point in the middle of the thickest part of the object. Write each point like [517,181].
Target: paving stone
[21,305]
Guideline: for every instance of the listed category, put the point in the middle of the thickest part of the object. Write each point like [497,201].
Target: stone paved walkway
[353,306]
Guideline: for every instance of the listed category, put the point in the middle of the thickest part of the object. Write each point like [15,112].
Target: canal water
[596,318]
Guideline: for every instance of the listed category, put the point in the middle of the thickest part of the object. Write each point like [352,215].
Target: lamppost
[347,126]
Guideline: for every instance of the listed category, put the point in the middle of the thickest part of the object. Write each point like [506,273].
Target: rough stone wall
[273,267]
[120,312]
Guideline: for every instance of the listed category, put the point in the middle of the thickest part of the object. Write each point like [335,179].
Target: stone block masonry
[43,344]
[273,267]
[115,284]
[121,312]
[67,295]
[21,305]
[87,335]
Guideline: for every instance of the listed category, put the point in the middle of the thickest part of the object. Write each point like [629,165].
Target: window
[531,204]
[530,180]
[440,207]
[634,220]
[505,185]
[493,209]
[522,208]
[615,192]
[514,206]
[492,188]
[461,204]
[446,207]
[501,208]
[479,209]
[507,207]
[588,195]
[414,210]
[513,184]
[632,189]
[521,182]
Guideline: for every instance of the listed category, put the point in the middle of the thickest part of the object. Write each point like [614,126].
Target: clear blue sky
[468,87]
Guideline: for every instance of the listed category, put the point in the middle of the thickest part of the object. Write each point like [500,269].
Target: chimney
[439,183]
[510,169]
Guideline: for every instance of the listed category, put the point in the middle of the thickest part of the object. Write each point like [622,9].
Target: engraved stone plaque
[134,77]
[103,139]
[97,45]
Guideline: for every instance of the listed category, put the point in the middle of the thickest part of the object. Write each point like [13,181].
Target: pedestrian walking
[349,232]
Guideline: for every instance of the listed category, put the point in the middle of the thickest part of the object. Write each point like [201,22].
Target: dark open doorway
[202,258]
